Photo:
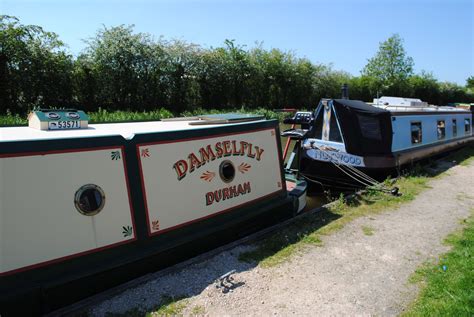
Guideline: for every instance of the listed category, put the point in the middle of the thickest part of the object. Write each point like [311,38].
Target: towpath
[351,274]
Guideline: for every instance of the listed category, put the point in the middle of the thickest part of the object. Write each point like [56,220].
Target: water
[315,200]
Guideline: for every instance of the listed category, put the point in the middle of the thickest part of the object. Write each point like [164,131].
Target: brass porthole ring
[89,200]
[227,171]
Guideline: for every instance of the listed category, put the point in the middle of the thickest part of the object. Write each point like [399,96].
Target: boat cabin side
[83,201]
[417,130]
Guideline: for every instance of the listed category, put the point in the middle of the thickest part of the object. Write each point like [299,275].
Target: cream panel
[40,220]
[172,202]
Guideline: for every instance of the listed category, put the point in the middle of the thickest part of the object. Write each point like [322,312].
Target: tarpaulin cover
[367,130]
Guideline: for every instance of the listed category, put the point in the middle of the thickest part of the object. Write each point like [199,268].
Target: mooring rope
[358,175]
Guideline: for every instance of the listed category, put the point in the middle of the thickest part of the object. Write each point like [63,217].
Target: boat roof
[359,105]
[126,129]
[400,104]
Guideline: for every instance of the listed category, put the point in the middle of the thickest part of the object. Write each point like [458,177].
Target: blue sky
[438,34]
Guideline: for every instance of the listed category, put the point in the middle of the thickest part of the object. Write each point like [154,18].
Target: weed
[198,310]
[169,306]
[368,231]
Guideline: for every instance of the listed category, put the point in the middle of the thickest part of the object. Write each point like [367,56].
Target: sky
[438,34]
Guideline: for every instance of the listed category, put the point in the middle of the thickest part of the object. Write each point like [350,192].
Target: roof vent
[61,119]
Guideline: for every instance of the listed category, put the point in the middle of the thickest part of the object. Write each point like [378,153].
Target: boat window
[467,126]
[455,128]
[441,129]
[89,200]
[416,133]
[227,171]
[318,125]
[370,127]
[334,133]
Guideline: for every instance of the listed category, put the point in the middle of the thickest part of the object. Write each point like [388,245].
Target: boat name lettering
[227,193]
[343,158]
[215,151]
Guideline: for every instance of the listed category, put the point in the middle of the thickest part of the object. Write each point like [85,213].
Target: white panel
[40,220]
[172,202]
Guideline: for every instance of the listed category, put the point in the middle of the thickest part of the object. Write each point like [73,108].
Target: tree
[389,69]
[121,64]
[425,87]
[34,68]
[470,84]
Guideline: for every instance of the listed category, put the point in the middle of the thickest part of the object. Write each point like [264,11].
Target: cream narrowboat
[86,207]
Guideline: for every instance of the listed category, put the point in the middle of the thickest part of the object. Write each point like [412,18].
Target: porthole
[227,171]
[89,200]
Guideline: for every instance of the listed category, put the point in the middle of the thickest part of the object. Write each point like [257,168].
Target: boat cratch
[349,143]
[86,207]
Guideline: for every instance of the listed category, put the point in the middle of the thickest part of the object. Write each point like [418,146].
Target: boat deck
[127,130]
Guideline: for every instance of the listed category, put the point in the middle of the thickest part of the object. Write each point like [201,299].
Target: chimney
[345,91]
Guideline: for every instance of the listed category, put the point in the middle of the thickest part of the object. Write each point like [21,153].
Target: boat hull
[326,174]
[154,215]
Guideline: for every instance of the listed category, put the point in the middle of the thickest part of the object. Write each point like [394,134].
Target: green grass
[198,310]
[308,229]
[103,115]
[368,230]
[170,306]
[10,119]
[464,156]
[448,285]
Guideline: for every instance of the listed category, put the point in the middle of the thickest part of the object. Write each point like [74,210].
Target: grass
[464,156]
[368,230]
[170,306]
[198,310]
[308,230]
[447,287]
[103,115]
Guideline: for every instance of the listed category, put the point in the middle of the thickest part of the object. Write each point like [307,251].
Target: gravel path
[351,274]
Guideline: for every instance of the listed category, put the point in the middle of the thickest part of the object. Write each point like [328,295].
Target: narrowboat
[349,143]
[84,207]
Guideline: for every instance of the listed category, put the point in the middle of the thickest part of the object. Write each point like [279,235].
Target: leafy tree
[124,67]
[425,87]
[35,70]
[181,73]
[389,69]
[452,92]
[121,69]
[470,84]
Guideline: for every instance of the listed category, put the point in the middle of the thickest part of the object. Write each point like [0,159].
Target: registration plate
[61,125]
